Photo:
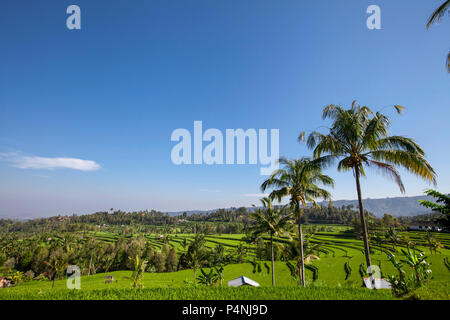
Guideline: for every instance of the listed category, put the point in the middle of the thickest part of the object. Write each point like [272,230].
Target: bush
[404,283]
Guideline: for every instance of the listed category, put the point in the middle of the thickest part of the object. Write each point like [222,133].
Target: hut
[242,281]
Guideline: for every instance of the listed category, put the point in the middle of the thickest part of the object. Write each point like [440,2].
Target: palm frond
[389,171]
[301,137]
[400,143]
[437,15]
[331,111]
[413,162]
[448,62]
[399,109]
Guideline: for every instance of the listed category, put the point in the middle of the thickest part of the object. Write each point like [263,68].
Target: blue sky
[113,92]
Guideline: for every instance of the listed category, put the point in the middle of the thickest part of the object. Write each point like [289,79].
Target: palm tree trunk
[273,259]
[54,279]
[90,262]
[300,236]
[364,226]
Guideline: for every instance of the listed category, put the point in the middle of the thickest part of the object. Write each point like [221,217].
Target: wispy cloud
[256,195]
[21,161]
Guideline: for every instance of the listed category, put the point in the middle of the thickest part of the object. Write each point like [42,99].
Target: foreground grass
[202,293]
[173,286]
[435,290]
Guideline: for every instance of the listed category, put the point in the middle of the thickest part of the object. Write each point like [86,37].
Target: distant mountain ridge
[397,206]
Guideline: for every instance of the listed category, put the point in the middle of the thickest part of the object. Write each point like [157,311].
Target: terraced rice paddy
[336,248]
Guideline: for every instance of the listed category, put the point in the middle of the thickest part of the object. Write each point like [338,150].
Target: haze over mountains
[397,206]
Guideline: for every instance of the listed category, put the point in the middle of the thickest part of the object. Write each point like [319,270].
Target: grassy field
[338,248]
[203,293]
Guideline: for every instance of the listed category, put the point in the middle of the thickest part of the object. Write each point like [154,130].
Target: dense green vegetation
[336,247]
[222,221]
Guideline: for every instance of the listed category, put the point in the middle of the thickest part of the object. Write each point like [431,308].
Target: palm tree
[196,256]
[219,254]
[138,273]
[299,180]
[273,222]
[56,265]
[359,138]
[184,244]
[240,252]
[394,237]
[436,17]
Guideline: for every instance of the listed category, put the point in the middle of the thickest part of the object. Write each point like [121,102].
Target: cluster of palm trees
[358,138]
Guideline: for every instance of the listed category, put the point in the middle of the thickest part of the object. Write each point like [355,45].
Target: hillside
[397,206]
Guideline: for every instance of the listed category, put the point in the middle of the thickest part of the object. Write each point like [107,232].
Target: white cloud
[32,162]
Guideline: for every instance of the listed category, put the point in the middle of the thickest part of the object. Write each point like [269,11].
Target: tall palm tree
[436,17]
[358,138]
[273,222]
[299,180]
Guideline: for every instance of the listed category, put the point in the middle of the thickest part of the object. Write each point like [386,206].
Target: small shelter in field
[379,283]
[242,281]
[425,226]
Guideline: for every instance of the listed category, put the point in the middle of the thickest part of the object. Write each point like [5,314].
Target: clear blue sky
[114,91]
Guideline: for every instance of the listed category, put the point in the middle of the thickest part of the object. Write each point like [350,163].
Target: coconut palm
[56,265]
[274,222]
[358,138]
[299,179]
[436,17]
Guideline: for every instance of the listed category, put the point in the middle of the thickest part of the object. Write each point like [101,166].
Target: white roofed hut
[242,281]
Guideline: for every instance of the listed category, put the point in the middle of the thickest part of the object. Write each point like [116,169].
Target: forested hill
[399,206]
